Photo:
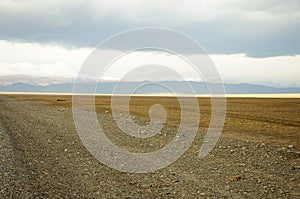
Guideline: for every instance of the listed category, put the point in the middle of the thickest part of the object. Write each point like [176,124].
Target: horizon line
[250,95]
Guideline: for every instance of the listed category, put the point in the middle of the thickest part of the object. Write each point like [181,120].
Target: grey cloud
[256,28]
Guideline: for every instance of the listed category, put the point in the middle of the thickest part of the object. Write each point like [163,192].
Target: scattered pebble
[295,167]
[235,178]
[44,171]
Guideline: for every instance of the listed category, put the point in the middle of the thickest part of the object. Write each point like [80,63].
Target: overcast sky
[249,41]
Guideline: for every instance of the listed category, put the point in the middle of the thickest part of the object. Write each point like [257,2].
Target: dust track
[7,166]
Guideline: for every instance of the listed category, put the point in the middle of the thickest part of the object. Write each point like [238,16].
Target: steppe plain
[42,156]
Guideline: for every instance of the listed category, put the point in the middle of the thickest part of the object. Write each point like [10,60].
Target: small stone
[273,189]
[144,186]
[235,178]
[241,164]
[291,146]
[295,167]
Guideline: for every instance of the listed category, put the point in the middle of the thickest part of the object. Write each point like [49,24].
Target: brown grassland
[258,119]
[42,156]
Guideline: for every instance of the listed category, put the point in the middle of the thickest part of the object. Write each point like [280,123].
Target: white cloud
[50,60]
[36,59]
[281,71]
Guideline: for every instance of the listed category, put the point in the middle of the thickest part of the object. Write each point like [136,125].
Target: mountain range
[65,85]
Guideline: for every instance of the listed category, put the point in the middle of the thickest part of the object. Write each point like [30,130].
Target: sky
[253,42]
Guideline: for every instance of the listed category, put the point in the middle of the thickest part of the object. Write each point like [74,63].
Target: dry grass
[272,121]
[247,162]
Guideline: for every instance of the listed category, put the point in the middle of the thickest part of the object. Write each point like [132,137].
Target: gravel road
[42,156]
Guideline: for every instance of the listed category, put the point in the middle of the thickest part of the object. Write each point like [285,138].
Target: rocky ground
[41,156]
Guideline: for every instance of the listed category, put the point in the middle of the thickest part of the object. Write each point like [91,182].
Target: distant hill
[107,88]
[6,80]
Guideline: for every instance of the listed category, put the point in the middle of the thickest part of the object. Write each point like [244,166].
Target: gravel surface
[43,157]
[7,166]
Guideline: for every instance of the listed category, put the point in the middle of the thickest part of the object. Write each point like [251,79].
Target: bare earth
[41,155]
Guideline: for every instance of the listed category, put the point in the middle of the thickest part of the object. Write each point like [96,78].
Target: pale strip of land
[275,95]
